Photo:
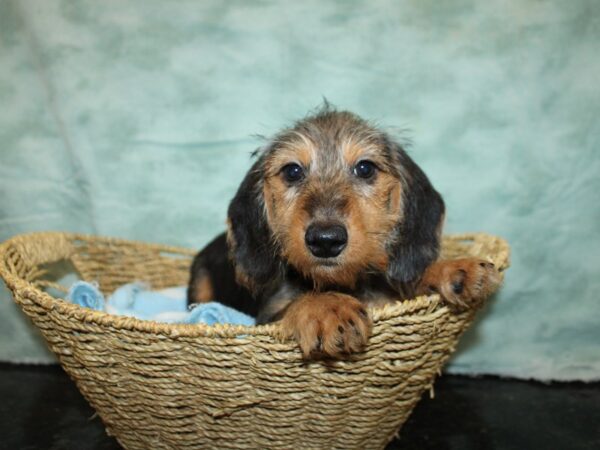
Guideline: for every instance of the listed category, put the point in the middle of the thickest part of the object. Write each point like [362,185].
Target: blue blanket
[167,305]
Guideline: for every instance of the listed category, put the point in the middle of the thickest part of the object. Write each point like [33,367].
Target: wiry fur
[393,220]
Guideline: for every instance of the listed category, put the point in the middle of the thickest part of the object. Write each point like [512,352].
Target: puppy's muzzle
[326,241]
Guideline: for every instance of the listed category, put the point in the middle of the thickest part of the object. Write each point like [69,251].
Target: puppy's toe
[357,327]
[309,337]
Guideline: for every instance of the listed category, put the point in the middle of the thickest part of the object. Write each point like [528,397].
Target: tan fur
[202,289]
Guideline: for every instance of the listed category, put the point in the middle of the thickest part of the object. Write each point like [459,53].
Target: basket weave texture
[163,386]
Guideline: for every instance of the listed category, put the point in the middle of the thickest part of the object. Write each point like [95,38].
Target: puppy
[333,217]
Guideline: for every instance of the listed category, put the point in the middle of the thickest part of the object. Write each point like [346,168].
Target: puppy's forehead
[329,142]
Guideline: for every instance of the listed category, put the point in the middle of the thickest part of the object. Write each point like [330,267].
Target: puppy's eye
[365,169]
[292,173]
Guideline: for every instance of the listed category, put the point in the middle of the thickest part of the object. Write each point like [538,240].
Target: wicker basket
[159,386]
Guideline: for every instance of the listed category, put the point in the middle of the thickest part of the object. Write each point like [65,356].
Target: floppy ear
[251,248]
[417,235]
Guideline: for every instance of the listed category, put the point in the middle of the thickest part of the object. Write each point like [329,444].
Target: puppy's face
[336,199]
[332,196]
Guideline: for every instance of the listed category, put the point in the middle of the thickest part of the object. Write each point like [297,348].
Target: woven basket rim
[86,315]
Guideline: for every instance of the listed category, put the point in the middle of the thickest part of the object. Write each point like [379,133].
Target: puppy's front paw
[461,282]
[327,325]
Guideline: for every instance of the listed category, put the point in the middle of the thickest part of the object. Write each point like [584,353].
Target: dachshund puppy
[333,217]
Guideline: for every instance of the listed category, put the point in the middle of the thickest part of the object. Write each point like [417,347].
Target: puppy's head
[336,199]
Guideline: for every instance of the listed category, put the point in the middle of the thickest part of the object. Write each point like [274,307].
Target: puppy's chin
[340,271]
[327,272]
[326,262]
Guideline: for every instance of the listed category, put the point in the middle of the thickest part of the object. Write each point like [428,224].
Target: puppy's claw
[458,287]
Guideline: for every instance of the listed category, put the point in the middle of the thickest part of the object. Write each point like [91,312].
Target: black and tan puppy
[332,217]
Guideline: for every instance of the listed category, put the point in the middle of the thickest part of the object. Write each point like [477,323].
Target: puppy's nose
[326,241]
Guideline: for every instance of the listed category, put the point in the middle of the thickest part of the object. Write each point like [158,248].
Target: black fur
[214,261]
[417,241]
[254,252]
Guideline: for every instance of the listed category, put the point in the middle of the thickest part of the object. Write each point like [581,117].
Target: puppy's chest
[372,290]
[376,291]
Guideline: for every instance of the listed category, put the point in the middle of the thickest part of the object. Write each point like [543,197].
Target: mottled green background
[136,119]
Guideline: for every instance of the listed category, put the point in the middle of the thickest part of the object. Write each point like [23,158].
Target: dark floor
[40,408]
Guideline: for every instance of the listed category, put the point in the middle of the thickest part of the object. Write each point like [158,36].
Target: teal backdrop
[137,118]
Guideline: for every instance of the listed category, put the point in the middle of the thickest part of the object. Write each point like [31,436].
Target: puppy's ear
[417,234]
[251,248]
